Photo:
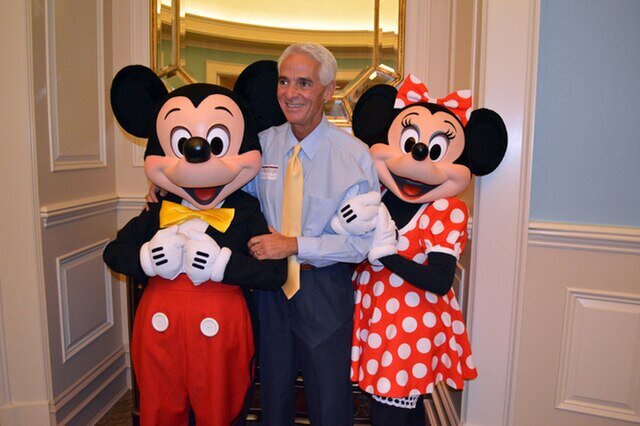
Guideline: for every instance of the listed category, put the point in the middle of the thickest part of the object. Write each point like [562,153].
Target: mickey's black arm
[436,277]
[247,271]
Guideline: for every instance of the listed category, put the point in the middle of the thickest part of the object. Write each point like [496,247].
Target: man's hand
[152,195]
[357,215]
[162,255]
[272,246]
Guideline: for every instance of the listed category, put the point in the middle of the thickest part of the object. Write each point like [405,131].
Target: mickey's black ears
[257,85]
[135,94]
[374,113]
[485,141]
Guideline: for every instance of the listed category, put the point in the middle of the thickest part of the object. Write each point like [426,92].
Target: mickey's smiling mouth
[412,188]
[204,196]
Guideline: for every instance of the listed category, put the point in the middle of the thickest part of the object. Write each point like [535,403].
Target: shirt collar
[312,142]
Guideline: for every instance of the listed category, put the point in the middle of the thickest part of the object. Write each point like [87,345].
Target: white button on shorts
[209,327]
[159,322]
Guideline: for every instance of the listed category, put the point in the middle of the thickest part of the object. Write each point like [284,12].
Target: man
[309,327]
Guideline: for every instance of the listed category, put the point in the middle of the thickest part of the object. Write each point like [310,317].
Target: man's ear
[136,92]
[374,113]
[485,141]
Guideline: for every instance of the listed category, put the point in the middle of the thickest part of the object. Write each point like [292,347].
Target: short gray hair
[328,64]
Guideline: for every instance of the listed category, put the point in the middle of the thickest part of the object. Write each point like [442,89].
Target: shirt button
[209,327]
[159,322]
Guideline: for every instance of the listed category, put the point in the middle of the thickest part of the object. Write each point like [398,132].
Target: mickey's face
[202,163]
[418,165]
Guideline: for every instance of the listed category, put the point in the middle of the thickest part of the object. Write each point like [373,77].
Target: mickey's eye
[218,138]
[438,147]
[409,137]
[179,136]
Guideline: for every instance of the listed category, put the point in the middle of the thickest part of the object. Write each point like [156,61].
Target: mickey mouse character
[192,342]
[409,333]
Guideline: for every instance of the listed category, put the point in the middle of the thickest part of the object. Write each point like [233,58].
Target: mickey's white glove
[384,237]
[357,215]
[204,259]
[162,255]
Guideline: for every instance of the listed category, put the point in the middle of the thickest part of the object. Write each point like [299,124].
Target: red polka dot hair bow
[413,90]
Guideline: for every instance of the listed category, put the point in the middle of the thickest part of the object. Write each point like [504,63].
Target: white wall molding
[69,211]
[599,374]
[569,236]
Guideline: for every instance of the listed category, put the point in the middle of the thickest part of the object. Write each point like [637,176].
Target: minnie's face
[202,163]
[418,163]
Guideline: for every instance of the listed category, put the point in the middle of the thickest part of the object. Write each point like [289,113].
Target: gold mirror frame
[169,24]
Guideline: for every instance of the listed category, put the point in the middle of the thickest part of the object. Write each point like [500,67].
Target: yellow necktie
[175,214]
[291,225]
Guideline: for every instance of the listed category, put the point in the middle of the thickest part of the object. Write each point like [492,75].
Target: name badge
[269,171]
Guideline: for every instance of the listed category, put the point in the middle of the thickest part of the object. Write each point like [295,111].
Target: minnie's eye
[438,147]
[409,137]
[218,138]
[179,136]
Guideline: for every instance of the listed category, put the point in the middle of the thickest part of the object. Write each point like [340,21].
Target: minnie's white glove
[162,255]
[204,259]
[384,237]
[357,215]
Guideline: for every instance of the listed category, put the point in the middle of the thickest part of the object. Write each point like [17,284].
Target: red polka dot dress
[406,340]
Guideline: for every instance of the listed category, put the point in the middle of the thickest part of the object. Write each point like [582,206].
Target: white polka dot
[391,331]
[360,374]
[403,243]
[414,392]
[423,345]
[468,114]
[369,389]
[457,248]
[429,388]
[392,305]
[439,378]
[434,363]
[378,288]
[446,360]
[355,353]
[377,268]
[365,277]
[459,350]
[414,79]
[445,298]
[399,103]
[358,333]
[451,103]
[374,340]
[441,205]
[387,359]
[440,339]
[351,372]
[459,368]
[452,237]
[457,216]
[454,304]
[412,299]
[431,297]
[464,94]
[437,228]
[404,351]
[361,315]
[453,344]
[354,276]
[395,280]
[458,327]
[372,366]
[446,318]
[429,319]
[364,334]
[402,377]
[420,258]
[383,385]
[358,296]
[428,244]
[409,324]
[470,363]
[424,222]
[451,383]
[412,95]
[377,314]
[419,370]
[366,301]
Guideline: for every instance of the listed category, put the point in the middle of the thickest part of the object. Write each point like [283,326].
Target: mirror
[205,41]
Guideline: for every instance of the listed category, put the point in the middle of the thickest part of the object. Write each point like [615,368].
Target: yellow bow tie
[175,214]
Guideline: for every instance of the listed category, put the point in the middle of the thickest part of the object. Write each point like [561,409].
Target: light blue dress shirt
[336,167]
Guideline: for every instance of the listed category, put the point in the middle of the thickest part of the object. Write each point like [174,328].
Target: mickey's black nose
[420,151]
[197,150]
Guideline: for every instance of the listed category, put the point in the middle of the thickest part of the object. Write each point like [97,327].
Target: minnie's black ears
[374,113]
[135,94]
[485,141]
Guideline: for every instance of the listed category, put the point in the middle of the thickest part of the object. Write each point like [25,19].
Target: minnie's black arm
[436,277]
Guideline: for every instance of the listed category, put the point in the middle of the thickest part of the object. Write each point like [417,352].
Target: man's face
[300,94]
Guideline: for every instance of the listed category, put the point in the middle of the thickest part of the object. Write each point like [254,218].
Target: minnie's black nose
[197,150]
[420,151]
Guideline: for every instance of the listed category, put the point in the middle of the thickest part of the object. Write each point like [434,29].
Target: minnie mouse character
[192,342]
[409,333]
